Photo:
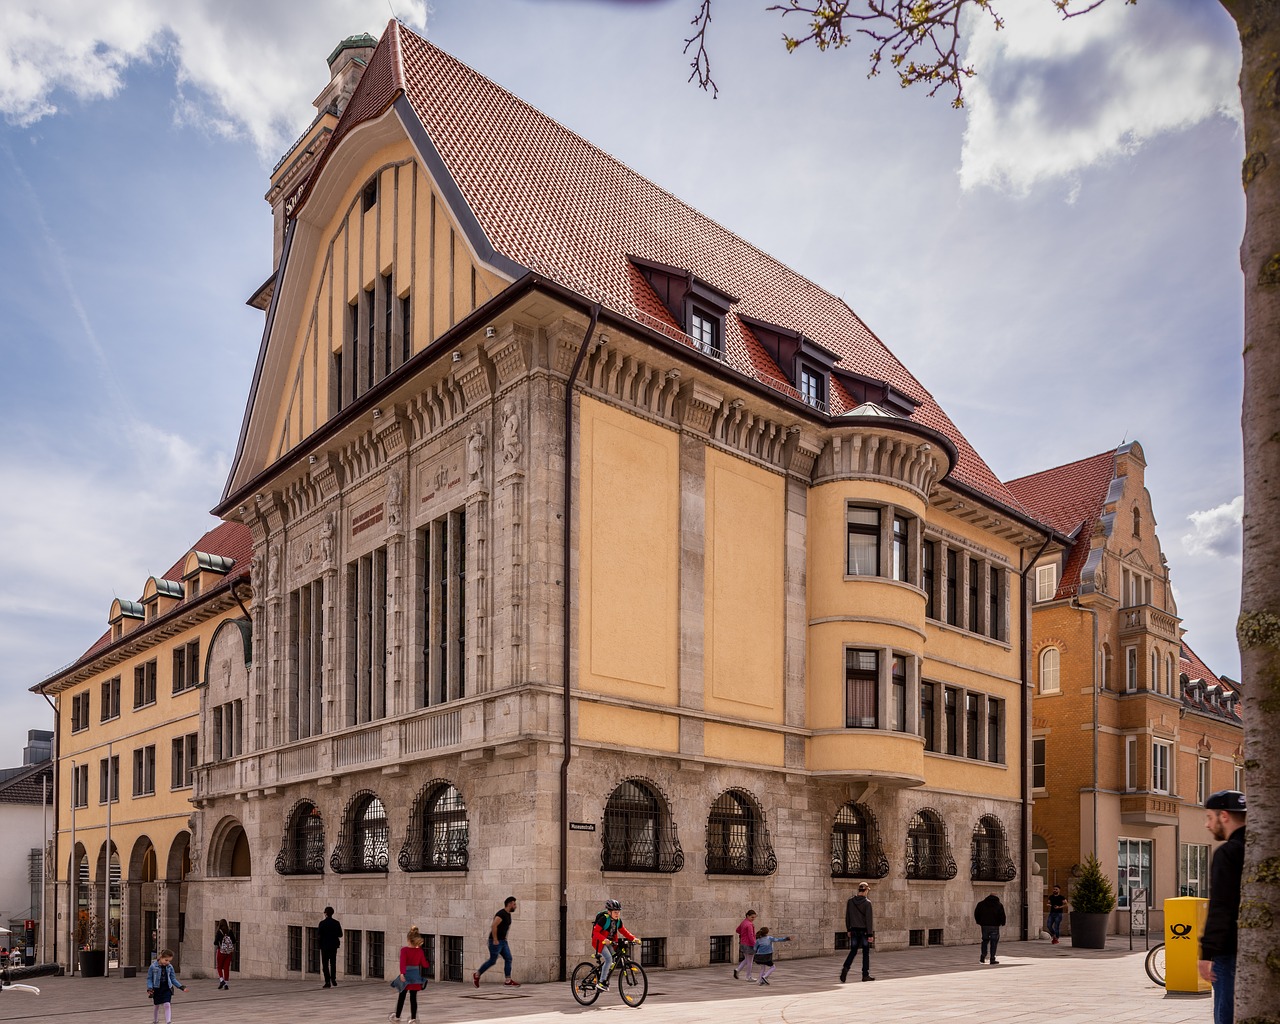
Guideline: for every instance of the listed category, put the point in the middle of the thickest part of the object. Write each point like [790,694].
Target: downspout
[44,925]
[567,552]
[1024,848]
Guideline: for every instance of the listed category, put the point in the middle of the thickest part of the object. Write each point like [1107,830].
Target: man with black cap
[1225,820]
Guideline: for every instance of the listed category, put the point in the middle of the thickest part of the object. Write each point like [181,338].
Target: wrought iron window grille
[737,839]
[302,849]
[855,844]
[989,856]
[638,833]
[928,852]
[438,831]
[364,837]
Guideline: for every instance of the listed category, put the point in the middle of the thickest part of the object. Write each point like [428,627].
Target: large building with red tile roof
[127,742]
[599,552]
[1130,730]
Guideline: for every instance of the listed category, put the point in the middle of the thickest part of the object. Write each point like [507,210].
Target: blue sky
[1058,262]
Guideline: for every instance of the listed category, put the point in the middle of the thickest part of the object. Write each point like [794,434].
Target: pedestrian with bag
[224,947]
[412,977]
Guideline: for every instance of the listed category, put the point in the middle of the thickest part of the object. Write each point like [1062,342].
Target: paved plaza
[1034,983]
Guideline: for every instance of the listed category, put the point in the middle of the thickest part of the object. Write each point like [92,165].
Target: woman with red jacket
[604,933]
[413,973]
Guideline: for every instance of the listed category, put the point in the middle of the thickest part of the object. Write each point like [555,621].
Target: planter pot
[93,963]
[1089,931]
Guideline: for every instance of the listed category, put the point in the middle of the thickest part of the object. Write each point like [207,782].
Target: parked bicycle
[12,978]
[1155,964]
[632,982]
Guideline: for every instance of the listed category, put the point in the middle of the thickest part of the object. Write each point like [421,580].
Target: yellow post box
[1183,925]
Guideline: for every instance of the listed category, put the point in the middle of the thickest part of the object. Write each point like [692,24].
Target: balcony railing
[1145,618]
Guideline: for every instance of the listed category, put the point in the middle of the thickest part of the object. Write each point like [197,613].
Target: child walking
[746,944]
[764,952]
[413,974]
[161,981]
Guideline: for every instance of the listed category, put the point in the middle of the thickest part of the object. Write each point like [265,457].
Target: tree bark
[1258,628]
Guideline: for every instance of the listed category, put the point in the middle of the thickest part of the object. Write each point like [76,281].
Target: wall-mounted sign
[582,826]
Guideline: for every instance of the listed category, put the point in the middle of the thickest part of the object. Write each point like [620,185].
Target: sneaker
[982,959]
[764,981]
[994,961]
[867,977]
[512,982]
[1054,942]
[602,986]
[735,974]
[475,978]
[393,1018]
[326,985]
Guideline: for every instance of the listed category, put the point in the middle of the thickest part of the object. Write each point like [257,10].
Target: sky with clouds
[1058,262]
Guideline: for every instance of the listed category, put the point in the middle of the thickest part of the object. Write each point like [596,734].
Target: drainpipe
[1024,847]
[568,749]
[57,762]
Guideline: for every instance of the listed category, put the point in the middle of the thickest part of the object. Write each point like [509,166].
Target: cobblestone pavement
[1034,983]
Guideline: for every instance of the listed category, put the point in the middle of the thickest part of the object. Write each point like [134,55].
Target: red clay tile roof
[561,207]
[1193,668]
[1068,498]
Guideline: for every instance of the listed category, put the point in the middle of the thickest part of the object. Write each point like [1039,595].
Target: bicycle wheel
[583,983]
[1155,964]
[633,984]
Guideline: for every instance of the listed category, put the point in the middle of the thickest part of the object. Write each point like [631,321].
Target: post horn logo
[1180,930]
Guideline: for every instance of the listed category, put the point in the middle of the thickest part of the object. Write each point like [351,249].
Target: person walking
[1057,905]
[989,914]
[412,976]
[1224,818]
[746,944]
[224,947]
[859,922]
[764,952]
[498,947]
[161,982]
[329,936]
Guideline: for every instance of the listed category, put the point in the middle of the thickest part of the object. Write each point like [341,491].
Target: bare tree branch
[700,67]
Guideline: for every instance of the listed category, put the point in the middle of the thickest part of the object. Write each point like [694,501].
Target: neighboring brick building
[1129,727]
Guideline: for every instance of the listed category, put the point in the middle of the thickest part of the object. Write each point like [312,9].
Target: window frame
[856,678]
[144,770]
[1162,781]
[1046,582]
[1050,680]
[863,529]
[638,832]
[1125,849]
[110,699]
[1039,750]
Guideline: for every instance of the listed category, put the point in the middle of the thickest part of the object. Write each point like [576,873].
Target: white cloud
[1216,531]
[1052,97]
[241,66]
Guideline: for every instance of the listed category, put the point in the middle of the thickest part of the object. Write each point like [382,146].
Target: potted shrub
[1092,901]
[93,958]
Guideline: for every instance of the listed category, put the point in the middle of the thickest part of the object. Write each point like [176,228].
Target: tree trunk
[1258,629]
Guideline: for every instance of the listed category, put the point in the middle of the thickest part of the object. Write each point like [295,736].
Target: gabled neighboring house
[26,794]
[128,712]
[1124,739]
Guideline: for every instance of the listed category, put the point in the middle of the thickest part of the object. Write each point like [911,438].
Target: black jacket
[990,912]
[1219,937]
[858,914]
[329,933]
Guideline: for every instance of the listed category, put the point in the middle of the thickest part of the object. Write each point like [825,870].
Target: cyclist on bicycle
[604,933]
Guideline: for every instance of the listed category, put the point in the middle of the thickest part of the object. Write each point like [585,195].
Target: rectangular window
[995,710]
[144,771]
[186,666]
[901,530]
[1037,762]
[928,727]
[898,694]
[313,951]
[80,712]
[861,678]
[975,608]
[928,558]
[295,947]
[811,389]
[995,597]
[336,400]
[442,625]
[80,786]
[368,347]
[352,390]
[1239,778]
[406,329]
[1161,754]
[1193,870]
[367,659]
[1130,669]
[306,662]
[951,718]
[953,587]
[653,952]
[183,762]
[1046,582]
[144,684]
[1133,870]
[110,699]
[389,308]
[1131,763]
[721,949]
[228,730]
[353,944]
[377,955]
[864,541]
[971,723]
[1202,780]
[109,779]
[451,958]
[704,329]
[429,951]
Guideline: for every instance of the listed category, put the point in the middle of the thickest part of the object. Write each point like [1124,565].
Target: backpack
[228,944]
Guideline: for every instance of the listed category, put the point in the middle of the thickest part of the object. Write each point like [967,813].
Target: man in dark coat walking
[329,938]
[859,921]
[989,914]
[1224,820]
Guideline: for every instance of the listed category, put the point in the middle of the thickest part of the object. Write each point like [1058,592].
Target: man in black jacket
[859,921]
[1224,819]
[329,938]
[989,914]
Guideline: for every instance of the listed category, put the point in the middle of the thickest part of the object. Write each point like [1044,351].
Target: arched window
[302,852]
[928,853]
[362,843]
[989,856]
[438,831]
[1050,662]
[638,832]
[855,845]
[737,841]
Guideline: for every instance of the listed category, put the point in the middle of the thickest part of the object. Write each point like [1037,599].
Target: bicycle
[11,978]
[1155,964]
[633,983]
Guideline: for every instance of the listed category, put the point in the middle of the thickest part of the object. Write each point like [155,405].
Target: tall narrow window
[953,587]
[995,603]
[704,329]
[370,346]
[928,727]
[971,725]
[1161,781]
[1037,762]
[1131,763]
[1046,582]
[995,734]
[356,349]
[1202,780]
[306,666]
[442,622]
[406,329]
[864,541]
[367,602]
[861,676]
[1130,669]
[929,556]
[901,529]
[975,608]
[951,718]
[111,699]
[898,694]
[811,389]
[388,308]
[1050,661]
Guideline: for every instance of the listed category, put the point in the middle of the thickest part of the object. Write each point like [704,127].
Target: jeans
[1224,989]
[606,953]
[1055,923]
[498,949]
[329,965]
[858,940]
[991,935]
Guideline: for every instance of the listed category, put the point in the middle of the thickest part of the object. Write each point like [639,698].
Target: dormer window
[697,306]
[704,329]
[813,387]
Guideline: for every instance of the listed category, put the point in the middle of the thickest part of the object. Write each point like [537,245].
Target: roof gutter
[1024,851]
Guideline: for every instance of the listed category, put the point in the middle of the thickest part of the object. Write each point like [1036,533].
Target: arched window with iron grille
[928,852]
[302,850]
[638,833]
[855,844]
[363,842]
[990,860]
[438,830]
[737,840]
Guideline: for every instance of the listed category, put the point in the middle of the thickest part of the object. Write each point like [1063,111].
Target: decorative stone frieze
[697,405]
[473,378]
[875,453]
[512,352]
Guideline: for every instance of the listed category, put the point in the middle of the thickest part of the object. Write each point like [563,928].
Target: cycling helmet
[612,905]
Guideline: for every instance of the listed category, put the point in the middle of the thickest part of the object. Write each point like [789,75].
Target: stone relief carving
[273,572]
[326,539]
[512,448]
[395,499]
[475,451]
